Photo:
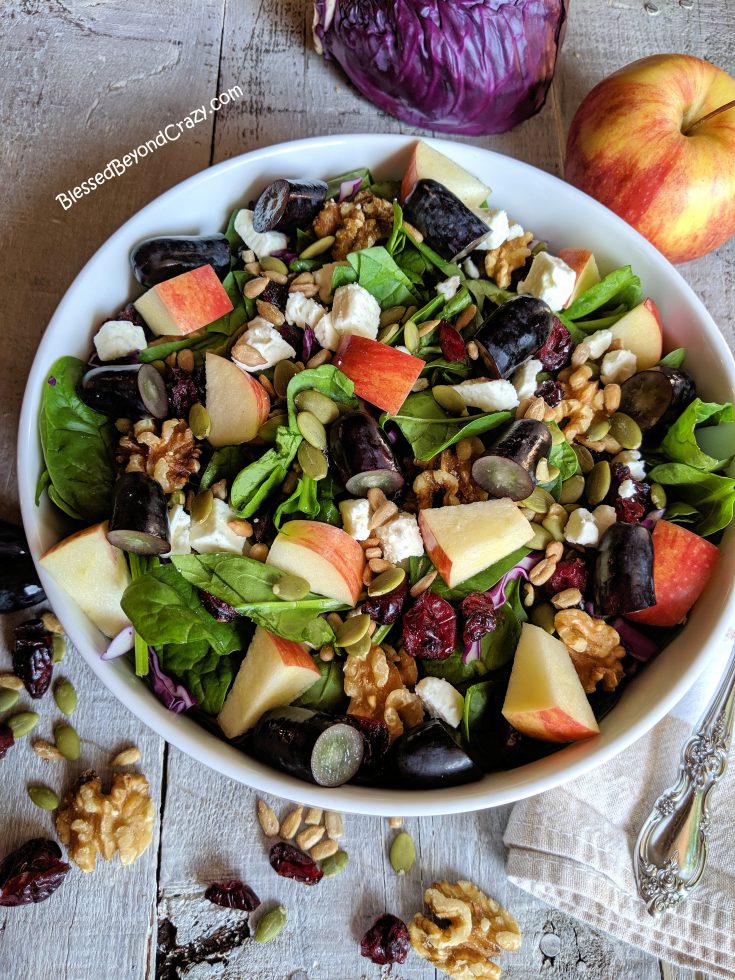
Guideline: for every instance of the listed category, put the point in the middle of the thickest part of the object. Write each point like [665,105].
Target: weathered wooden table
[84,80]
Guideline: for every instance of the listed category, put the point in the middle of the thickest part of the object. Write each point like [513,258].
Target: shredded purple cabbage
[173,696]
[472,651]
[308,343]
[637,644]
[652,518]
[348,188]
[285,255]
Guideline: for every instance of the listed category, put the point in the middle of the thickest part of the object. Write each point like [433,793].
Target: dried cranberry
[451,343]
[570,573]
[287,862]
[276,294]
[7,740]
[430,628]
[222,611]
[32,873]
[377,738]
[291,335]
[182,392]
[629,510]
[551,392]
[234,894]
[33,656]
[557,350]
[129,313]
[479,616]
[387,608]
[386,941]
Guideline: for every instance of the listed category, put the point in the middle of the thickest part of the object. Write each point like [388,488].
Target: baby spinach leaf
[681,513]
[327,379]
[302,501]
[412,263]
[447,269]
[328,510]
[328,693]
[483,289]
[263,476]
[343,275]
[210,681]
[232,236]
[378,272]
[563,456]
[397,236]
[621,284]
[675,358]
[680,442]
[459,369]
[482,714]
[483,580]
[224,464]
[712,495]
[78,445]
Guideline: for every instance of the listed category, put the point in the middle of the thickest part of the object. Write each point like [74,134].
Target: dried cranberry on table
[387,608]
[551,392]
[287,862]
[233,894]
[570,573]
[430,628]
[478,611]
[451,342]
[7,740]
[557,351]
[32,873]
[387,941]
[33,656]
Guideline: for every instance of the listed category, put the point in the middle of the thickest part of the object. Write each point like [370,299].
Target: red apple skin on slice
[186,303]
[382,375]
[330,560]
[683,563]
[582,261]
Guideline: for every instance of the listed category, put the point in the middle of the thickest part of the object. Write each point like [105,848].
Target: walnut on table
[594,647]
[376,690]
[356,224]
[464,930]
[502,262]
[171,458]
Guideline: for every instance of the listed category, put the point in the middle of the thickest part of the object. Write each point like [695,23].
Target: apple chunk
[381,374]
[641,331]
[425,161]
[467,538]
[545,698]
[582,261]
[186,303]
[682,565]
[236,403]
[94,573]
[274,673]
[329,559]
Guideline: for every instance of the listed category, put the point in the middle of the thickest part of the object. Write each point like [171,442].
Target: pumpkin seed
[352,630]
[319,247]
[312,430]
[538,501]
[270,925]
[65,697]
[554,471]
[160,366]
[335,865]
[282,374]
[543,616]
[584,456]
[272,264]
[411,337]
[541,537]
[312,461]
[658,496]
[388,333]
[22,723]
[67,742]
[402,853]
[318,404]
[386,581]
[10,681]
[555,526]
[177,499]
[557,436]
[361,648]
[199,421]
[8,699]
[291,588]
[269,429]
[58,649]
[571,489]
[598,482]
[598,430]
[201,506]
[449,399]
[44,797]
[392,315]
[626,431]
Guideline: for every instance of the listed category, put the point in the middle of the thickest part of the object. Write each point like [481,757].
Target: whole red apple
[655,142]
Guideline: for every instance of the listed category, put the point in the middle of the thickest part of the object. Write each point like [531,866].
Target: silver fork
[671,850]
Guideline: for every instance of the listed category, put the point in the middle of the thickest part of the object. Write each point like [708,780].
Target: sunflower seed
[333,823]
[267,819]
[128,757]
[309,837]
[314,816]
[292,823]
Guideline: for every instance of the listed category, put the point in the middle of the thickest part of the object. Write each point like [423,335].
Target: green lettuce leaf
[680,442]
[264,476]
[675,358]
[302,501]
[327,379]
[328,693]
[378,272]
[712,495]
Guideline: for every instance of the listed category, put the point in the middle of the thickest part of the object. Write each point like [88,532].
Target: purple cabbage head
[466,66]
[173,696]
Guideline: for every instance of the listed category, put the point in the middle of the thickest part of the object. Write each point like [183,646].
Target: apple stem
[715,112]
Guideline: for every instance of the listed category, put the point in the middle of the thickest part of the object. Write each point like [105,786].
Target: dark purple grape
[513,333]
[158,259]
[33,656]
[656,396]
[288,204]
[387,608]
[447,224]
[428,757]
[139,520]
[19,584]
[623,577]
[363,456]
[128,391]
[508,469]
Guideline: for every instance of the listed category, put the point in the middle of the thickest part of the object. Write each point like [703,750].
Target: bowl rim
[208,748]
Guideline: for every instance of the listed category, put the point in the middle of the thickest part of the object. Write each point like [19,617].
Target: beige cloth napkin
[572,847]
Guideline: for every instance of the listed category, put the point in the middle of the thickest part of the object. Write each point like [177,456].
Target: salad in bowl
[381,486]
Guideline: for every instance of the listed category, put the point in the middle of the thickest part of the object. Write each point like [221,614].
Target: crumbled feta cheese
[441,700]
[261,242]
[524,379]
[179,524]
[632,459]
[581,528]
[400,538]
[448,287]
[627,489]
[355,311]
[301,310]
[497,223]
[402,349]
[470,269]
[490,396]
[325,333]
[604,516]
[617,366]
[549,279]
[118,338]
[515,230]
[355,517]
[215,534]
[598,342]
[267,341]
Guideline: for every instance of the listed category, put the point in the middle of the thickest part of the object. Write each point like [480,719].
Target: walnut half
[170,458]
[377,690]
[594,648]
[464,930]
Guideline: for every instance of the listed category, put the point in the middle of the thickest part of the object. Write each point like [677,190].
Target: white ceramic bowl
[554,211]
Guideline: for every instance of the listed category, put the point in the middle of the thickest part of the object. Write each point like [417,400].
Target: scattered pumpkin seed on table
[43,797]
[334,865]
[22,723]
[65,696]
[58,648]
[67,742]
[8,698]
[402,853]
[270,925]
